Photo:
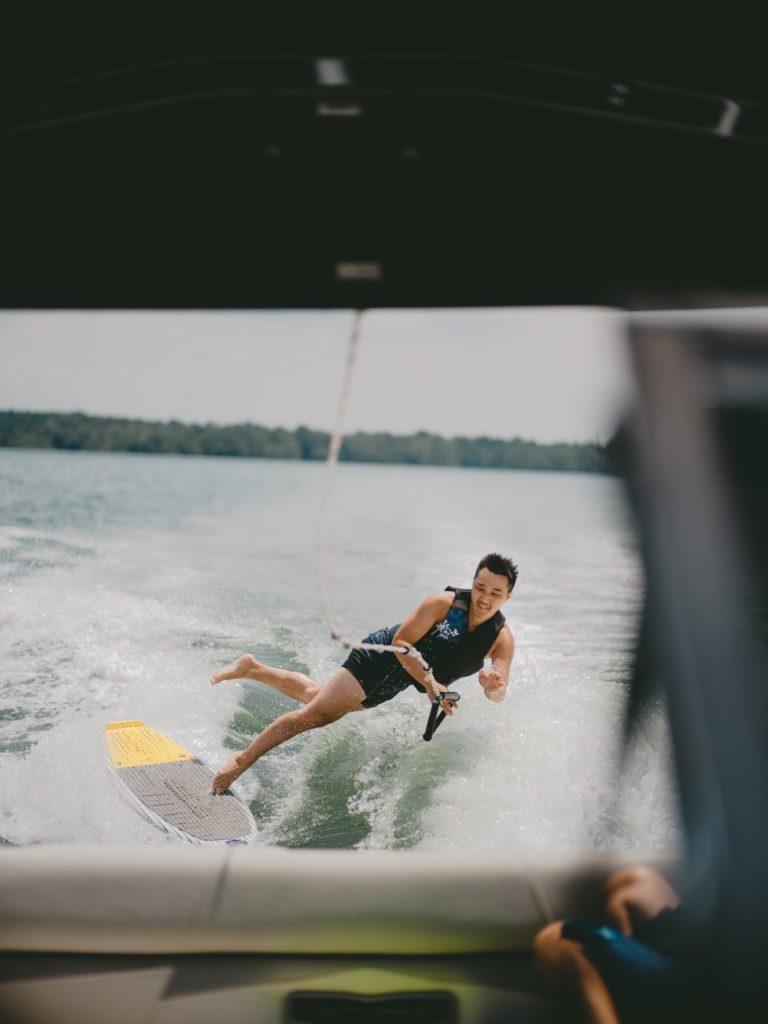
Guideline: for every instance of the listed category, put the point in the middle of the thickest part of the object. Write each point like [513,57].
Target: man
[454,631]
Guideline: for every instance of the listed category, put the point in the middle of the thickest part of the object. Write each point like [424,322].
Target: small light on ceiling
[358,270]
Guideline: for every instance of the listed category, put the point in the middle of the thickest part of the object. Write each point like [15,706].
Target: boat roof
[325,164]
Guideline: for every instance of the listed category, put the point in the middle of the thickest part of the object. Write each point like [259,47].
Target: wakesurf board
[172,787]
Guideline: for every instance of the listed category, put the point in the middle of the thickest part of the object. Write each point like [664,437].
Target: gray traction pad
[180,793]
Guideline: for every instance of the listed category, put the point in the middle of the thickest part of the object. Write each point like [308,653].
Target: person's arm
[432,610]
[496,680]
[637,894]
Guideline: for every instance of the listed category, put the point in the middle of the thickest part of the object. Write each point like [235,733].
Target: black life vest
[451,650]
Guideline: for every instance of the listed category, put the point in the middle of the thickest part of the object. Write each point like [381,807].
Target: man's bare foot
[237,670]
[224,778]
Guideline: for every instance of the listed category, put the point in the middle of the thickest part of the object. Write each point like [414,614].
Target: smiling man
[454,630]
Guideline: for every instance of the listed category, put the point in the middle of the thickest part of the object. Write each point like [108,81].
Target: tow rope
[436,714]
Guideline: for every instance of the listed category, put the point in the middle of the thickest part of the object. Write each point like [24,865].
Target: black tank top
[450,649]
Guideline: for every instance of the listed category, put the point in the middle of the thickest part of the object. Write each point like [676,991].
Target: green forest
[76,431]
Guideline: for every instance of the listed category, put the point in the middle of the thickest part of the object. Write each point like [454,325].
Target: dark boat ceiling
[234,168]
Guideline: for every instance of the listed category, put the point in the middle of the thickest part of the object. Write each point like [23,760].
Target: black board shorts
[379,673]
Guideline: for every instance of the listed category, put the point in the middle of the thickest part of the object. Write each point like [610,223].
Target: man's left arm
[495,681]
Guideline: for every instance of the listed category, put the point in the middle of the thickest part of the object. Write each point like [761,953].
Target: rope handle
[436,713]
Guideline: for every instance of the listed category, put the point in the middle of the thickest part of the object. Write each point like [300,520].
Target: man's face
[489,592]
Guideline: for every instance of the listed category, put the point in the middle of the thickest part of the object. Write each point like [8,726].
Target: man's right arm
[432,610]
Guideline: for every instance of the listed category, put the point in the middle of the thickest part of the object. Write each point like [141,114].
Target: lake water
[126,579]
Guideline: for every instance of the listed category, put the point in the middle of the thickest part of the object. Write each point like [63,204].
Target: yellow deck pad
[131,744]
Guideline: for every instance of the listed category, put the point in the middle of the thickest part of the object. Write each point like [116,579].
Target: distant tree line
[74,431]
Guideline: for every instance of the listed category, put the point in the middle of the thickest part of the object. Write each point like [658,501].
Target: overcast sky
[547,375]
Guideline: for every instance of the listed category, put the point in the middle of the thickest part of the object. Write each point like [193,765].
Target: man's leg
[292,684]
[340,695]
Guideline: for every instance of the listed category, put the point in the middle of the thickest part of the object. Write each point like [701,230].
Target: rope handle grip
[436,713]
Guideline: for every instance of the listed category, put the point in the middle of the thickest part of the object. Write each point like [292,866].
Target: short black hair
[499,565]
